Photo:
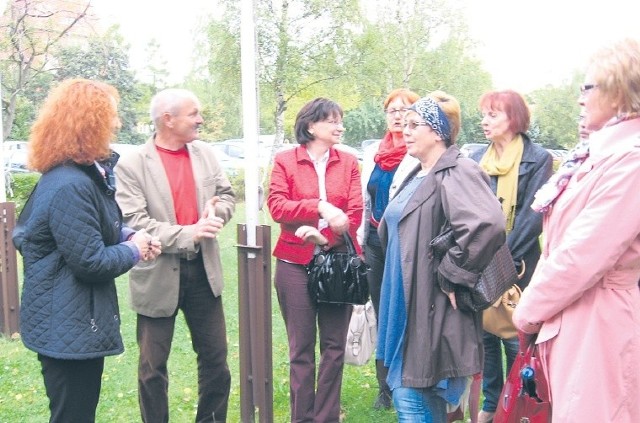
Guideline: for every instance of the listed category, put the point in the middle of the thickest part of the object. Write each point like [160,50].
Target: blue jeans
[493,375]
[416,405]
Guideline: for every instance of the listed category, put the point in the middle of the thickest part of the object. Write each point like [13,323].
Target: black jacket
[536,167]
[72,253]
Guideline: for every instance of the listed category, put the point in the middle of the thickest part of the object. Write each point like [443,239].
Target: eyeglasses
[587,87]
[394,111]
[412,125]
[334,122]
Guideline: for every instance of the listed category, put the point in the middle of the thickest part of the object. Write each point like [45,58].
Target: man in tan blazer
[175,188]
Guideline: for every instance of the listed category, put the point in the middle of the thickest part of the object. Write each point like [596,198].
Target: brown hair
[512,104]
[76,123]
[316,110]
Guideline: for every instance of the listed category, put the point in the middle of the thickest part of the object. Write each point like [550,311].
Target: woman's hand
[148,246]
[336,218]
[448,289]
[155,248]
[452,299]
[311,234]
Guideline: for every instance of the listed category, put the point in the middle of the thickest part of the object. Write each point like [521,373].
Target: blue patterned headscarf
[433,115]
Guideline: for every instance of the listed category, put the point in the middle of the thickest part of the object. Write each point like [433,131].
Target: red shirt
[177,165]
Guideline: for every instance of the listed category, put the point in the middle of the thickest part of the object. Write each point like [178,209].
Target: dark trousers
[310,402]
[73,388]
[374,257]
[205,318]
[493,375]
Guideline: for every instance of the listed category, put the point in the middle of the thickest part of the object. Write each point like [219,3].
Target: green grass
[23,399]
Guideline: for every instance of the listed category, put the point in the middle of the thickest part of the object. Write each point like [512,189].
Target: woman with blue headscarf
[431,347]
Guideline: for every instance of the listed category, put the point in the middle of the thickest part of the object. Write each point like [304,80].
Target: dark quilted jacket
[71,256]
[535,169]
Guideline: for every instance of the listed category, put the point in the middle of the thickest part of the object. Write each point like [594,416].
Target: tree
[555,111]
[367,121]
[424,46]
[155,72]
[106,58]
[29,32]
[301,45]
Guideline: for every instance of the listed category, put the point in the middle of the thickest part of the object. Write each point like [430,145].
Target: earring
[311,131]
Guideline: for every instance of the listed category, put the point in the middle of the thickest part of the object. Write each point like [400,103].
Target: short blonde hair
[451,107]
[616,70]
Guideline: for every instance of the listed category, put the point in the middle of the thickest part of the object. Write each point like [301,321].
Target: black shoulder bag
[499,275]
[338,277]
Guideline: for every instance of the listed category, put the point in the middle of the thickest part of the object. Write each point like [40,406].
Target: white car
[14,154]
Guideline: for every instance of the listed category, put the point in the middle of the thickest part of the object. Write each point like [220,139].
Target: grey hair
[169,101]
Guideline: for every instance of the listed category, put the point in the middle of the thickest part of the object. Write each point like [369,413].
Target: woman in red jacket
[315,195]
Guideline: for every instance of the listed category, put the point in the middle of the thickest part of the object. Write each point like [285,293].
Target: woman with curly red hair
[74,247]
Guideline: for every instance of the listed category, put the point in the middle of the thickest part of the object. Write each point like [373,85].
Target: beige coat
[144,195]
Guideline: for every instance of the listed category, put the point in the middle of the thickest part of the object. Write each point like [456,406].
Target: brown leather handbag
[498,318]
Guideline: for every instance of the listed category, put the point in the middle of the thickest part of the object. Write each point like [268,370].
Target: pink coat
[585,287]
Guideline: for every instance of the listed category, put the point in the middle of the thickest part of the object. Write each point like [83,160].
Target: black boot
[383,400]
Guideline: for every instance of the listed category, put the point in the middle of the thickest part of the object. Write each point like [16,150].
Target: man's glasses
[392,112]
[412,125]
[585,88]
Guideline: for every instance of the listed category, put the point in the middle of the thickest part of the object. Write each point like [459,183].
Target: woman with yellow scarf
[517,168]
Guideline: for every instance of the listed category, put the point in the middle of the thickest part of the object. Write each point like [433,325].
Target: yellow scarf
[506,169]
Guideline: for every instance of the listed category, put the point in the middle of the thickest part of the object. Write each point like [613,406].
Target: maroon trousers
[310,402]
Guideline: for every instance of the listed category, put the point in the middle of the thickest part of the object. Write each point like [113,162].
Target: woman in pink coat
[583,300]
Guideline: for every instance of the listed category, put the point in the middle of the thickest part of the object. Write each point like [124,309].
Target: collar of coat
[433,179]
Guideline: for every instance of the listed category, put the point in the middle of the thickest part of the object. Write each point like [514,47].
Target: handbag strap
[348,241]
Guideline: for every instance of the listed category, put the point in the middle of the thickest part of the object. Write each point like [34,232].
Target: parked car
[470,148]
[236,148]
[14,155]
[123,149]
[366,143]
[350,150]
[231,165]
[11,146]
[16,161]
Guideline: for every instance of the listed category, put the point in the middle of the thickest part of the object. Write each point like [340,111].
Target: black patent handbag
[498,277]
[338,277]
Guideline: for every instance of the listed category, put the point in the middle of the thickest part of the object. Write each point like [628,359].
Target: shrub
[22,185]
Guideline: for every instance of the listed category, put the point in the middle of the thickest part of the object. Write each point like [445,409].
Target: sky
[523,44]
[528,44]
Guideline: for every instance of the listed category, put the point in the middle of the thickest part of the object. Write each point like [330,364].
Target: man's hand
[209,224]
[210,207]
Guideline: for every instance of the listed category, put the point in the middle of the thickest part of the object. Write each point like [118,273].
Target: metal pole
[250,116]
[254,274]
[3,185]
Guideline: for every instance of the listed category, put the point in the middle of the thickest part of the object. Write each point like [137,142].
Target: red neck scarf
[389,155]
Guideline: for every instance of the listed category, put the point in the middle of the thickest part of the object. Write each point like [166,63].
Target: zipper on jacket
[94,326]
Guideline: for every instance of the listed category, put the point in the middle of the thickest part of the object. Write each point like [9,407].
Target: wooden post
[9,297]
[256,354]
